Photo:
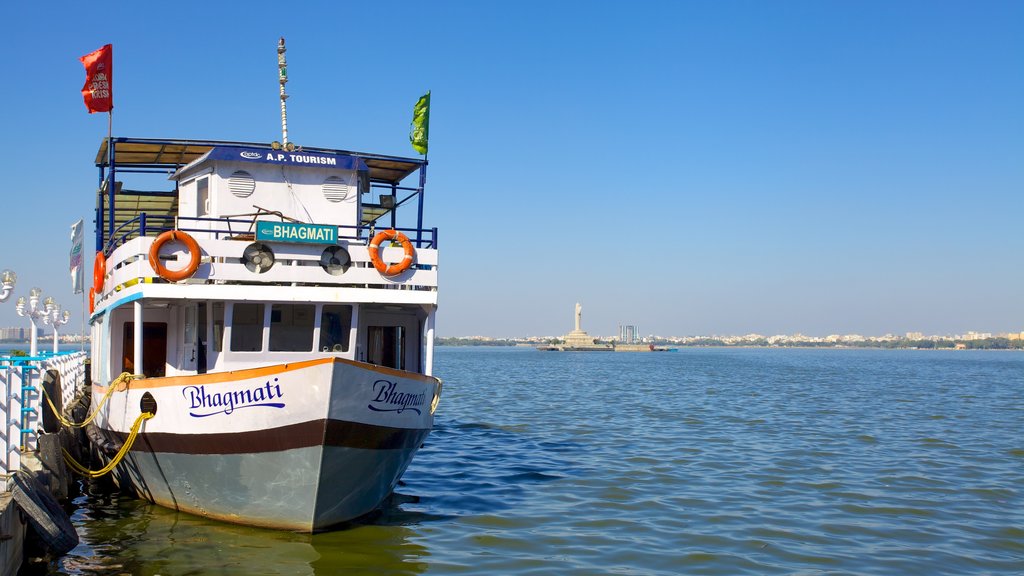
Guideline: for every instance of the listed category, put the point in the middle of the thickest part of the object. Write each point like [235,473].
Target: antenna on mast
[282,73]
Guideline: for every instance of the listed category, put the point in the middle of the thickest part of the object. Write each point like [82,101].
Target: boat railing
[21,391]
[236,228]
[222,262]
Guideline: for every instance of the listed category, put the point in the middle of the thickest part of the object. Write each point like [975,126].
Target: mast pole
[282,72]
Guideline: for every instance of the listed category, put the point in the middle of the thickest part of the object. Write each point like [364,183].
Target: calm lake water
[701,461]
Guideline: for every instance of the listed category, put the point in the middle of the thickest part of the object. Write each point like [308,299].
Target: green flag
[420,124]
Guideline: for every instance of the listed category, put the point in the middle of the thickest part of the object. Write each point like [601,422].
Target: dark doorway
[201,339]
[386,346]
[154,349]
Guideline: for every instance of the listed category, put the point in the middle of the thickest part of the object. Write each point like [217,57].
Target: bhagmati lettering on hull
[387,394]
[228,401]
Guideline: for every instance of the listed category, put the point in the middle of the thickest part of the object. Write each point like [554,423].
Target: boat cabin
[249,255]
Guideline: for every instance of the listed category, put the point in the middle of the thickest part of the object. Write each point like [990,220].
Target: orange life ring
[92,300]
[99,270]
[398,267]
[172,236]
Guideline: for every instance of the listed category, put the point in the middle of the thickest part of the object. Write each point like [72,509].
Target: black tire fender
[46,516]
[51,383]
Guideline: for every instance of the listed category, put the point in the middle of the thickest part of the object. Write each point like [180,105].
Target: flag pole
[81,339]
[111,189]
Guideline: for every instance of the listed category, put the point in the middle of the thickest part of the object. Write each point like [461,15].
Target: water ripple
[705,461]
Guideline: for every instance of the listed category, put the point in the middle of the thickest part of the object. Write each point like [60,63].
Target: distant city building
[14,333]
[628,334]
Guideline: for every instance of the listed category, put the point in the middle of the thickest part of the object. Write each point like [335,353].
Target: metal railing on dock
[21,394]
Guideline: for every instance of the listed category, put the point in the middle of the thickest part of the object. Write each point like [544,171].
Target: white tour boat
[277,310]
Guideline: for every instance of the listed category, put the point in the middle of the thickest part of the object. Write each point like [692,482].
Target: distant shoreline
[752,347]
[900,344]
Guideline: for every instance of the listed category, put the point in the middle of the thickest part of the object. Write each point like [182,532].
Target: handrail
[21,394]
[139,227]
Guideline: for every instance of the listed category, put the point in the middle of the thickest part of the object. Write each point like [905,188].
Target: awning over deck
[172,154]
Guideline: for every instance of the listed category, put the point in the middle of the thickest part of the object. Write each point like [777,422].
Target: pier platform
[605,348]
[30,451]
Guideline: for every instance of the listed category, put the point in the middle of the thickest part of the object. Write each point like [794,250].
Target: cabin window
[335,327]
[291,327]
[386,346]
[247,327]
[203,196]
[218,326]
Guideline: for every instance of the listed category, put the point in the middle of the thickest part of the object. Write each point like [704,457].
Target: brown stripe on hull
[356,435]
[304,435]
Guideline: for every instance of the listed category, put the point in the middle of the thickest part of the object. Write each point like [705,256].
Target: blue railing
[21,395]
[154,225]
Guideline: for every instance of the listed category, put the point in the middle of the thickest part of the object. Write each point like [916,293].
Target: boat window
[335,326]
[218,326]
[386,346]
[203,196]
[247,327]
[291,327]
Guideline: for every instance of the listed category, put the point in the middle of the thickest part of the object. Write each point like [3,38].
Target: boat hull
[323,442]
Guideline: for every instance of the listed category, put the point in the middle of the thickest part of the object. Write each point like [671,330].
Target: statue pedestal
[578,338]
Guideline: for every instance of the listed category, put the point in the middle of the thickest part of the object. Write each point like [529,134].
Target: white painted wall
[295,191]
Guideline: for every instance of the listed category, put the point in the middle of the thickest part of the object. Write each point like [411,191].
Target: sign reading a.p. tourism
[295,232]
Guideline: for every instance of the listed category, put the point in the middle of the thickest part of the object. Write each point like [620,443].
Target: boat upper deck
[310,211]
[125,212]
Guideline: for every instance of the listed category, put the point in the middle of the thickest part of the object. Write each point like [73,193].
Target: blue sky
[688,167]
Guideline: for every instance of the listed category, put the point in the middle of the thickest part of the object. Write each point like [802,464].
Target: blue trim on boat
[121,302]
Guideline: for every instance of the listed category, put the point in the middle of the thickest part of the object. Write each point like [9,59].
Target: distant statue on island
[579,315]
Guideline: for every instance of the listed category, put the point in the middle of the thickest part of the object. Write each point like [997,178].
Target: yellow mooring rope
[117,457]
[125,378]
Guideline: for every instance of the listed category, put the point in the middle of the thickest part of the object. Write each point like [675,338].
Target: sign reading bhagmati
[296,232]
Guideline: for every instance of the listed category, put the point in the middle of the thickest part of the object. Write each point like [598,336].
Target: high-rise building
[13,333]
[628,334]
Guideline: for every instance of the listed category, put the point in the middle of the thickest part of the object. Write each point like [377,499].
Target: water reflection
[122,535]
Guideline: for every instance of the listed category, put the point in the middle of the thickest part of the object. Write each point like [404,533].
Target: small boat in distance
[279,320]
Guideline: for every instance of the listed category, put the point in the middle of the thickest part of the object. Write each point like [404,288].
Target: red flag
[98,90]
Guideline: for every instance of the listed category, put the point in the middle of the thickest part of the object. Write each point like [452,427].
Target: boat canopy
[174,154]
[123,212]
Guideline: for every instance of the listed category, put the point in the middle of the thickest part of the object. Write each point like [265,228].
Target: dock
[34,479]
[611,347]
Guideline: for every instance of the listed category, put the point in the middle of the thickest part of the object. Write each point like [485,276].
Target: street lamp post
[56,318]
[8,279]
[34,312]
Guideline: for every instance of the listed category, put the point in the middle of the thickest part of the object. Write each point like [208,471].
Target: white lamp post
[35,313]
[8,278]
[56,318]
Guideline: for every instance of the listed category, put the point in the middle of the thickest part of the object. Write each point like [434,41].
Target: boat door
[154,349]
[195,338]
[390,339]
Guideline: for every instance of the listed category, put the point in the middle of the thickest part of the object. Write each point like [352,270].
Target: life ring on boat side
[193,250]
[398,267]
[99,270]
[92,300]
